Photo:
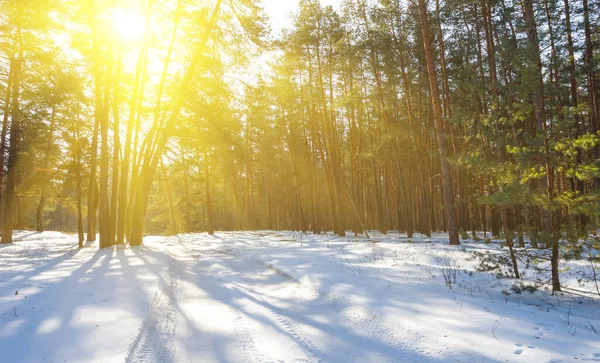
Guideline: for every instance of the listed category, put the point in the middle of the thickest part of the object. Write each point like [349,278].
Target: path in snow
[156,340]
[217,293]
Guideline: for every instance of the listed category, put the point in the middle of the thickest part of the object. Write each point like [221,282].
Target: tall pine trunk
[439,126]
[15,139]
[541,126]
[579,185]
[77,160]
[42,202]
[6,112]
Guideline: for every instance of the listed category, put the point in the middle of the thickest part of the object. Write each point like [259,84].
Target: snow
[284,297]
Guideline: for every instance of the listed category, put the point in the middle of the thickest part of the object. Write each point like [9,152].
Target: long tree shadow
[79,304]
[47,315]
[229,289]
[117,284]
[422,293]
[428,295]
[16,278]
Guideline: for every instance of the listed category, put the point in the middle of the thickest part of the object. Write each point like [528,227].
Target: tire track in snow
[156,340]
[247,338]
[312,294]
[339,315]
[312,353]
[357,315]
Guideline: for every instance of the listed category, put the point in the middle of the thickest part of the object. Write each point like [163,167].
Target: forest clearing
[283,296]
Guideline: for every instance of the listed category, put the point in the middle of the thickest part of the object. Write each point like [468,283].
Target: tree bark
[439,125]
[15,139]
[42,202]
[77,160]
[591,79]
[540,118]
[101,116]
[210,228]
[579,184]
[114,198]
[7,109]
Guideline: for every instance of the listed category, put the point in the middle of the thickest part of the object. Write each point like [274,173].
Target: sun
[128,25]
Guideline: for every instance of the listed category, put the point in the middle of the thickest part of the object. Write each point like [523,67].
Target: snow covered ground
[284,297]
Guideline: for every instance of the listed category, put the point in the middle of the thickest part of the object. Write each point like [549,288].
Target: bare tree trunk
[170,199]
[124,184]
[104,211]
[439,125]
[78,178]
[7,105]
[101,115]
[42,202]
[114,198]
[579,184]
[152,156]
[589,60]
[92,188]
[210,224]
[447,112]
[92,194]
[186,190]
[15,139]
[540,118]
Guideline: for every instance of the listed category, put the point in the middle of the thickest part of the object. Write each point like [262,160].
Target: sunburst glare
[128,25]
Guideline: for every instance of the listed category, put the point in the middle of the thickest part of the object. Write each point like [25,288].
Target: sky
[279,11]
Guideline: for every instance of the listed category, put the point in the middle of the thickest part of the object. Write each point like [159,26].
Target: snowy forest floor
[286,297]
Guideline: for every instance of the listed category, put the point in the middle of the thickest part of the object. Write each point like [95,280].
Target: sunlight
[49,325]
[128,25]
[299,180]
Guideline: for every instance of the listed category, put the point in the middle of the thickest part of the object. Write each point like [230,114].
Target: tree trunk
[134,108]
[15,140]
[439,125]
[151,158]
[7,106]
[169,197]
[92,195]
[42,202]
[579,184]
[101,114]
[591,79]
[209,211]
[540,118]
[114,198]
[78,178]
